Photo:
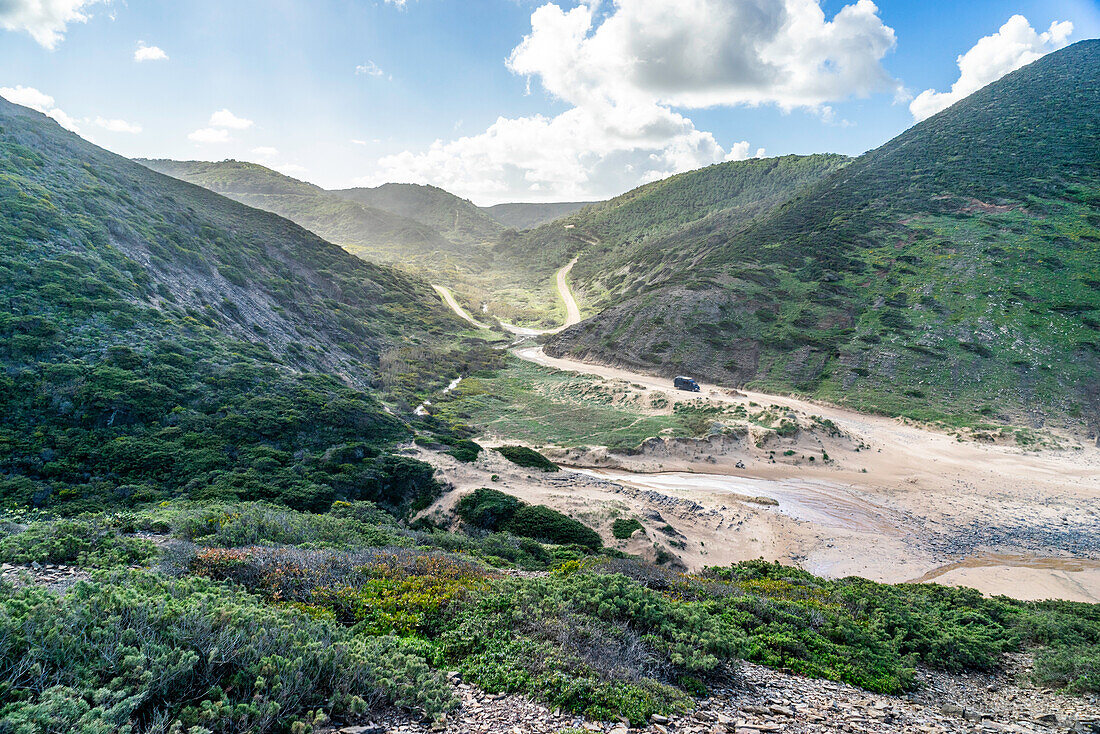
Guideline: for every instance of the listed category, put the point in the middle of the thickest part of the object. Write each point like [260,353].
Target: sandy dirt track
[910,505]
[917,504]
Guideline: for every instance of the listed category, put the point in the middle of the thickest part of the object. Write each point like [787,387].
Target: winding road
[898,470]
[572,310]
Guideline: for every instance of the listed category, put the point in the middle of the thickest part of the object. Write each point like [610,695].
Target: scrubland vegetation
[274,619]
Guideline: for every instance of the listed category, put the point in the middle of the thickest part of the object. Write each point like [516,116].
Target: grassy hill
[370,232]
[421,230]
[527,216]
[643,237]
[950,274]
[159,339]
[455,218]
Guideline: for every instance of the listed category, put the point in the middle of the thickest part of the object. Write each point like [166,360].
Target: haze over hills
[456,219]
[526,216]
[422,230]
[952,271]
[374,233]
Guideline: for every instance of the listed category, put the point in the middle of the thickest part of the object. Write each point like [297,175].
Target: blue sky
[599,98]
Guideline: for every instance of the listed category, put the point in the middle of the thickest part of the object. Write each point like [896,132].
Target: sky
[511,100]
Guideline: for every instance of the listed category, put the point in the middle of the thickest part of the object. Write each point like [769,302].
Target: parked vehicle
[685,383]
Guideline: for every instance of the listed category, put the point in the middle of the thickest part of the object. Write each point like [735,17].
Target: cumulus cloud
[45,20]
[369,69]
[206,135]
[226,119]
[1014,45]
[117,126]
[265,152]
[627,70]
[705,53]
[149,53]
[36,100]
[740,152]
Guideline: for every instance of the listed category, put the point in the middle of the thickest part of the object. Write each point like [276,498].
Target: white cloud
[358,142]
[704,53]
[399,3]
[627,68]
[740,152]
[226,119]
[209,135]
[36,100]
[265,152]
[369,69]
[45,20]
[117,126]
[1015,44]
[149,53]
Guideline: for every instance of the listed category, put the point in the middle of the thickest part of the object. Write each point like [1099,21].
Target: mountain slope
[522,215]
[472,263]
[160,339]
[455,218]
[370,232]
[952,272]
[644,236]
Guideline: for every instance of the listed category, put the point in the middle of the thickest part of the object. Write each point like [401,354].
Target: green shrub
[134,650]
[550,526]
[231,525]
[525,457]
[88,540]
[623,527]
[465,450]
[493,510]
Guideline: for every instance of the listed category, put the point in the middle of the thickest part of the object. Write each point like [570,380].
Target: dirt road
[572,310]
[907,503]
[911,503]
[449,299]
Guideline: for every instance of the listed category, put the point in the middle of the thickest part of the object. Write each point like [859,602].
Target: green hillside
[455,218]
[952,273]
[521,215]
[373,233]
[159,339]
[651,233]
[469,259]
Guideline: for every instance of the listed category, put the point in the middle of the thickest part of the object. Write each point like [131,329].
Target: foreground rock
[759,700]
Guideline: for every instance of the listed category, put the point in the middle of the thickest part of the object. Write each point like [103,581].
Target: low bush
[525,457]
[493,510]
[345,525]
[136,651]
[88,540]
[465,450]
[623,527]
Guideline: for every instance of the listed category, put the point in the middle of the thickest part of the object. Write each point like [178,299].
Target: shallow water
[819,502]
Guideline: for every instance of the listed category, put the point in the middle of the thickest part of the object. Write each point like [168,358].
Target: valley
[886,499]
[284,459]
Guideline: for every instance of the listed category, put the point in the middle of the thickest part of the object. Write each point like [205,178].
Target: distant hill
[952,273]
[526,216]
[646,235]
[455,218]
[422,230]
[159,339]
[375,233]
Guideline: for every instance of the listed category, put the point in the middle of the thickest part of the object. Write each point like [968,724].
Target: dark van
[685,383]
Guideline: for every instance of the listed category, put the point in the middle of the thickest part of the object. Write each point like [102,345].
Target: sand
[910,504]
